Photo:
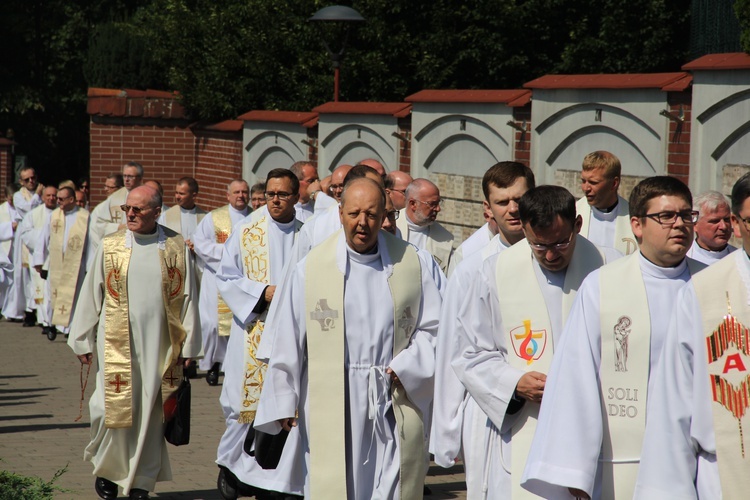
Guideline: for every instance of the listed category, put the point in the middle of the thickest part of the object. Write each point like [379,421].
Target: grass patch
[17,487]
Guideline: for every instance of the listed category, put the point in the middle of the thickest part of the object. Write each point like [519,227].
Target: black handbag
[268,447]
[177,431]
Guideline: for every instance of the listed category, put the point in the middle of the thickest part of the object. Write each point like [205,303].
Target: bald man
[396,183]
[418,224]
[375,165]
[309,183]
[322,199]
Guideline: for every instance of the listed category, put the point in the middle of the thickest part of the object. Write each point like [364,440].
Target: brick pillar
[312,146]
[6,165]
[678,142]
[404,151]
[522,139]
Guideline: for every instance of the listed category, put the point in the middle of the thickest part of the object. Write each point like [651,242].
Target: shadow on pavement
[37,389]
[191,495]
[25,417]
[46,427]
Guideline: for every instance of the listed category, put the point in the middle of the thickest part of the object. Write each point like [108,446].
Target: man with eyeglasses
[606,221]
[251,267]
[322,199]
[513,315]
[257,195]
[29,196]
[309,185]
[30,296]
[713,229]
[590,431]
[107,217]
[138,310]
[61,255]
[418,225]
[112,183]
[695,445]
[396,183]
[459,426]
[208,243]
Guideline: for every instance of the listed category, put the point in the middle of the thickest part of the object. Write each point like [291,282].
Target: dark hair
[541,205]
[653,187]
[191,183]
[740,192]
[119,181]
[260,187]
[388,182]
[284,173]
[358,171]
[504,174]
[71,191]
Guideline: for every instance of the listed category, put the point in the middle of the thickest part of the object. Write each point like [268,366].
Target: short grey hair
[136,165]
[709,201]
[243,181]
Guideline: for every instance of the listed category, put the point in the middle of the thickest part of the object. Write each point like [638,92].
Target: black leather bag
[177,431]
[268,447]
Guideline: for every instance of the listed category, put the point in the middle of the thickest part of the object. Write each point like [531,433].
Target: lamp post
[337,14]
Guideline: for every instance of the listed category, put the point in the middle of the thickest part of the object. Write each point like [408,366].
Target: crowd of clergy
[593,348]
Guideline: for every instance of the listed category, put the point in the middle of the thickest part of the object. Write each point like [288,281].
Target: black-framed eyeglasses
[432,204]
[136,210]
[745,220]
[270,195]
[554,247]
[669,217]
[63,198]
[393,214]
[27,179]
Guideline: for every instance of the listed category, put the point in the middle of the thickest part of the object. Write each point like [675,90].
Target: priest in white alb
[594,412]
[106,217]
[353,361]
[696,445]
[251,267]
[61,253]
[460,429]
[605,214]
[208,243]
[143,330]
[512,323]
[713,229]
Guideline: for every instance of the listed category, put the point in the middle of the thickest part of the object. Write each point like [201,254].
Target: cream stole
[439,240]
[624,371]
[116,215]
[324,303]
[37,220]
[223,229]
[526,323]
[173,218]
[118,391]
[624,240]
[256,264]
[64,266]
[723,299]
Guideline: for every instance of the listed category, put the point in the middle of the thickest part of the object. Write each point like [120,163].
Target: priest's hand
[190,245]
[394,378]
[268,293]
[287,423]
[185,362]
[85,359]
[531,386]
[38,268]
[579,493]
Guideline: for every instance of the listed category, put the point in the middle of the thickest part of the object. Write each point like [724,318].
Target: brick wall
[678,145]
[218,160]
[522,144]
[404,151]
[6,168]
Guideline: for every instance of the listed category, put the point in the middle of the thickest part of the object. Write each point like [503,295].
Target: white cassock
[134,457]
[8,215]
[106,218]
[304,210]
[242,295]
[371,452]
[568,439]
[6,273]
[188,222]
[473,243]
[41,254]
[24,206]
[30,230]
[708,257]
[323,201]
[459,426]
[209,253]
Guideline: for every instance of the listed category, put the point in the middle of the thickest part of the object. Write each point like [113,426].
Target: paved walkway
[39,399]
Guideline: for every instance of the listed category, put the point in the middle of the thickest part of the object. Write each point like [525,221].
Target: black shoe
[426,490]
[136,494]
[29,319]
[105,488]
[226,484]
[45,330]
[192,370]
[212,377]
[51,333]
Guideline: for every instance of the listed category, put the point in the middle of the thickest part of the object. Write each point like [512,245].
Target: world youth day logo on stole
[528,344]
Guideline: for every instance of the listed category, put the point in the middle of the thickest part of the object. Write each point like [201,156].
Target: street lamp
[337,14]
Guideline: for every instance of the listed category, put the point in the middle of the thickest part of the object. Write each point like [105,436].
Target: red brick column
[678,142]
[522,139]
[6,165]
[218,161]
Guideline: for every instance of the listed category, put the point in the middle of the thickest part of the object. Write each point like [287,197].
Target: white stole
[527,324]
[625,241]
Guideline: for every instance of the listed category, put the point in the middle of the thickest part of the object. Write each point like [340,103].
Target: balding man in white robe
[713,229]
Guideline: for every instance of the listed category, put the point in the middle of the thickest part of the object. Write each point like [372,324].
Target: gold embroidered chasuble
[625,326]
[526,323]
[64,266]
[725,309]
[223,229]
[118,391]
[256,265]
[324,303]
[625,241]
